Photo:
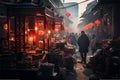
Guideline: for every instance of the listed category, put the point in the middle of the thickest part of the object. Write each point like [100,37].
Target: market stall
[30,25]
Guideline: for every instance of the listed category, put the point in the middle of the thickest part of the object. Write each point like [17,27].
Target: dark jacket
[83,42]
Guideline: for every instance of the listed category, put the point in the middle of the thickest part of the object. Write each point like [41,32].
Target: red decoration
[32,33]
[41,33]
[68,14]
[97,22]
[88,26]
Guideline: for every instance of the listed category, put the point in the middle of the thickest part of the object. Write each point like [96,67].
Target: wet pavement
[81,72]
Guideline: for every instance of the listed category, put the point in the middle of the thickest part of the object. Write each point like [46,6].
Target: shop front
[30,27]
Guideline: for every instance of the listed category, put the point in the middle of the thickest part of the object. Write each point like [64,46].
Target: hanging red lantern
[97,22]
[68,14]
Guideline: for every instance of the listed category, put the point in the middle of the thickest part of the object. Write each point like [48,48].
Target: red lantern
[97,22]
[68,14]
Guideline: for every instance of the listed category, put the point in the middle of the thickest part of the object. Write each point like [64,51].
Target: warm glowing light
[91,25]
[68,14]
[38,14]
[12,38]
[97,22]
[25,32]
[28,30]
[49,31]
[36,28]
[30,39]
[5,27]
[41,32]
[88,26]
[56,30]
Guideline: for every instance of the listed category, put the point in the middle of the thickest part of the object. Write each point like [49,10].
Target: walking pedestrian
[83,42]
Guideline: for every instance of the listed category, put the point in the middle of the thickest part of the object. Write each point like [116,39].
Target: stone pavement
[80,73]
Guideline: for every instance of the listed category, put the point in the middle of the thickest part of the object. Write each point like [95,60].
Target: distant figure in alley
[83,42]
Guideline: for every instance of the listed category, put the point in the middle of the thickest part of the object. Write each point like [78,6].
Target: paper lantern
[97,22]
[68,14]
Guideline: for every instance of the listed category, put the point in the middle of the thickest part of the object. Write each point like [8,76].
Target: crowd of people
[83,43]
[87,43]
[105,58]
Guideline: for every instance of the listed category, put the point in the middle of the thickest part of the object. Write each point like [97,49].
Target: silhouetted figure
[83,42]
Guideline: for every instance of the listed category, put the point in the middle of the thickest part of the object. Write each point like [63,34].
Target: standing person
[93,44]
[83,42]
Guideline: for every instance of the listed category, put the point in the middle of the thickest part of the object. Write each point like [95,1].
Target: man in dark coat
[83,42]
